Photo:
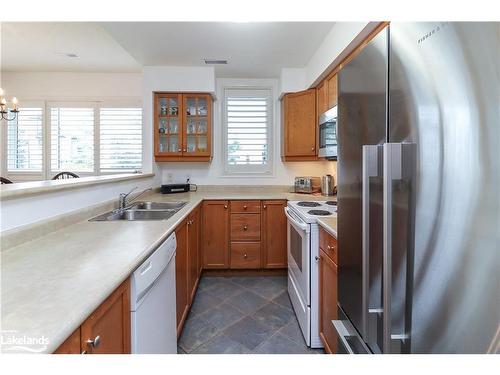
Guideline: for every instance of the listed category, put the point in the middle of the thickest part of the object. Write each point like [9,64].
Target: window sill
[23,189]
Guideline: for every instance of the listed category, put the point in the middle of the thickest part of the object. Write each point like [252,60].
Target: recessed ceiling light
[215,61]
[67,54]
[71,55]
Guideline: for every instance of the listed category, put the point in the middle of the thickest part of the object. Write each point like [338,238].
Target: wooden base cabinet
[181,274]
[193,252]
[215,234]
[274,251]
[106,330]
[328,272]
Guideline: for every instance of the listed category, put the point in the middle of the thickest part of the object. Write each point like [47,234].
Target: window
[72,139]
[120,139]
[248,120]
[25,141]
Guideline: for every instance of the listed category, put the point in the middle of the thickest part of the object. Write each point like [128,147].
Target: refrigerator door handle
[392,171]
[370,169]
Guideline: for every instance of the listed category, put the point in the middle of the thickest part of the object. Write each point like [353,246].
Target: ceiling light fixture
[4,110]
[215,61]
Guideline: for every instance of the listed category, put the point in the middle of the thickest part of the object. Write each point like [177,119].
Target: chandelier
[4,110]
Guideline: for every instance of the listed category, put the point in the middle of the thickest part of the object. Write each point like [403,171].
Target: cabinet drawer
[245,255]
[328,244]
[245,206]
[245,227]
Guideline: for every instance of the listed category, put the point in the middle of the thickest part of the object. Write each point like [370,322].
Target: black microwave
[327,134]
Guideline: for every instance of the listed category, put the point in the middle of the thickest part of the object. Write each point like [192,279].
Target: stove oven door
[298,245]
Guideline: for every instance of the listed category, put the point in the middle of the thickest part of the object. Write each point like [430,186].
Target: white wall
[292,80]
[213,173]
[26,210]
[339,42]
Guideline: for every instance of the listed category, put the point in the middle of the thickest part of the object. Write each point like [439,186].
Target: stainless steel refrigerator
[419,191]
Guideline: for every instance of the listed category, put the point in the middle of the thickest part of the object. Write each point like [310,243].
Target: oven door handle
[294,221]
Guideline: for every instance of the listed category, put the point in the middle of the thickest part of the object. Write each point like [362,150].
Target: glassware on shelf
[202,127]
[191,144]
[174,126]
[174,111]
[191,126]
[174,144]
[162,146]
[202,144]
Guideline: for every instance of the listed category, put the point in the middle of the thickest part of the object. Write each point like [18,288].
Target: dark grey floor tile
[280,280]
[266,287]
[207,281]
[273,315]
[280,344]
[180,350]
[196,332]
[203,301]
[245,281]
[224,289]
[292,331]
[247,302]
[222,316]
[248,332]
[221,344]
[284,300]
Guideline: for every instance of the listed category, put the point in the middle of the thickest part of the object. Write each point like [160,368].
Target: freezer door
[444,257]
[362,121]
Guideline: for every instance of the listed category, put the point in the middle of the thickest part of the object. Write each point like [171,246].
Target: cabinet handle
[245,207]
[95,342]
[317,258]
[330,247]
[245,256]
[245,227]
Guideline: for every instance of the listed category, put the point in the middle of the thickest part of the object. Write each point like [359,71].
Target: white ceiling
[254,50]
[42,47]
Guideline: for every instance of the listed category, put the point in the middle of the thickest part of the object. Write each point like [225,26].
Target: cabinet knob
[94,342]
[329,247]
[245,256]
[184,150]
[179,150]
[245,227]
[225,206]
[245,207]
[312,148]
[264,207]
[317,258]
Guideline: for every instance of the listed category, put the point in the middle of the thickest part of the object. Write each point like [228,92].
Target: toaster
[307,185]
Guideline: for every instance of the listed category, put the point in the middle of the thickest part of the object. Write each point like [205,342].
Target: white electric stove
[303,268]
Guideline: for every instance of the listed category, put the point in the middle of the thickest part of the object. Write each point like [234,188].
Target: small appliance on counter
[327,185]
[178,188]
[307,185]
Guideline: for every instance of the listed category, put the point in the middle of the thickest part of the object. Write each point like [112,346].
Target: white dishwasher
[153,305]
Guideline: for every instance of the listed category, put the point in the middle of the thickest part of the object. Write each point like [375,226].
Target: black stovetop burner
[319,212]
[331,203]
[308,204]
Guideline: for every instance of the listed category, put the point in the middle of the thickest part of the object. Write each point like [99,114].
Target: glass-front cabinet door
[168,124]
[197,124]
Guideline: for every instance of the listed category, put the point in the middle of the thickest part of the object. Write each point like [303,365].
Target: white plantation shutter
[120,139]
[248,119]
[72,139]
[25,141]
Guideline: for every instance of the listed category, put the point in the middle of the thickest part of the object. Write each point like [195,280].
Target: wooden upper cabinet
[332,91]
[299,126]
[322,98]
[182,126]
[215,234]
[181,274]
[107,330]
[274,253]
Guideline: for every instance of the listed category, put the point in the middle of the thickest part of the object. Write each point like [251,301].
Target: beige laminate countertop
[329,224]
[51,284]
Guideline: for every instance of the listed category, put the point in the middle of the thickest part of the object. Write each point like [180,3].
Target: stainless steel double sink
[143,211]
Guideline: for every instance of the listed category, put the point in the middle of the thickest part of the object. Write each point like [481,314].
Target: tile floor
[239,315]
